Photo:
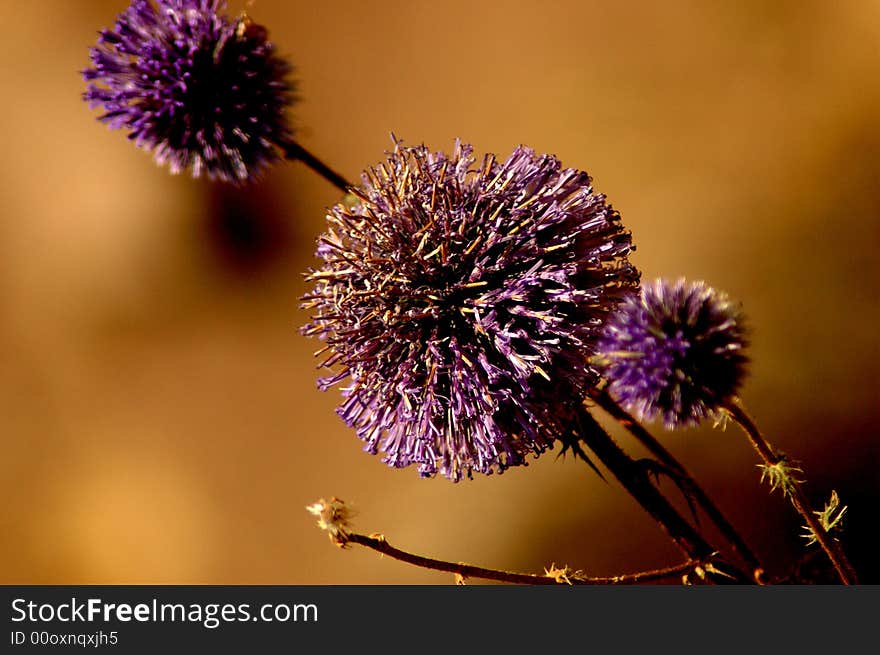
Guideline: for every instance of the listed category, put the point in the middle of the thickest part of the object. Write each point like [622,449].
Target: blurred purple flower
[462,303]
[675,353]
[199,89]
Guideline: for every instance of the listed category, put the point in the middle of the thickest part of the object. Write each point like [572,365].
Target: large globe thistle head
[201,90]
[461,302]
[675,353]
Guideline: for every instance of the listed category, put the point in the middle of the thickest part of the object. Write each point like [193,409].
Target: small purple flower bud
[199,89]
[675,353]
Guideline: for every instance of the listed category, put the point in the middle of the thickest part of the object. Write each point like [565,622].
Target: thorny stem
[636,480]
[798,498]
[552,577]
[295,152]
[607,403]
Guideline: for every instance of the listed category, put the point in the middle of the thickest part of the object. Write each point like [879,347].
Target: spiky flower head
[674,353]
[461,303]
[199,89]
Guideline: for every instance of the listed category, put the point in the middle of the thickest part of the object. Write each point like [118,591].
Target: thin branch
[552,577]
[607,403]
[295,152]
[636,480]
[793,487]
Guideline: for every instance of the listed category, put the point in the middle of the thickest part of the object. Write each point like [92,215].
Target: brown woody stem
[607,403]
[295,152]
[636,480]
[381,545]
[831,547]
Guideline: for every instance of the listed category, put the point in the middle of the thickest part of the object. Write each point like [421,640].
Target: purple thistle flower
[675,353]
[461,304]
[199,89]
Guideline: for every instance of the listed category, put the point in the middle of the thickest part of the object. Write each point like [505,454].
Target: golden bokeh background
[159,419]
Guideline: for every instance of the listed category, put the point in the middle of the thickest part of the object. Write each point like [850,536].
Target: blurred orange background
[159,418]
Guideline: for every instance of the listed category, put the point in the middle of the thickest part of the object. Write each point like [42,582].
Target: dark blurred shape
[244,229]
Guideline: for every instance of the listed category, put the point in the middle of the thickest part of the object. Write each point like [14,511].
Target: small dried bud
[782,475]
[831,518]
[333,517]
[562,576]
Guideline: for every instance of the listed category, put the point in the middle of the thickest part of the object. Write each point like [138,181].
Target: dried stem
[607,403]
[798,498]
[295,152]
[635,478]
[551,577]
